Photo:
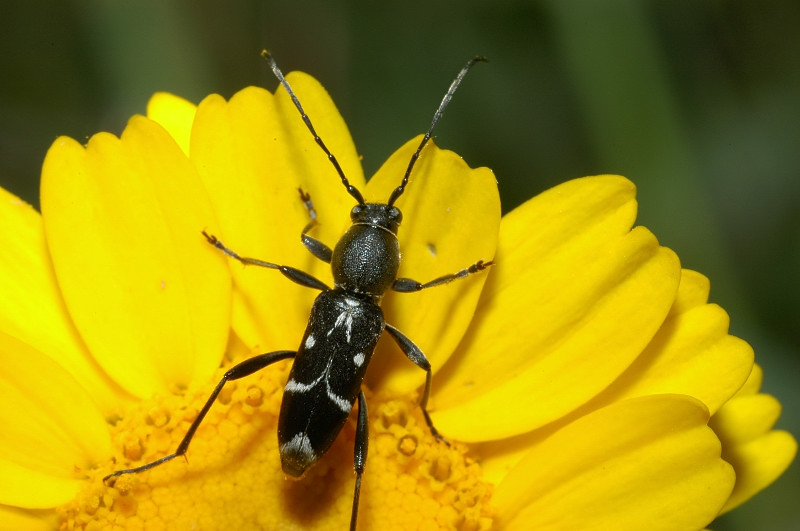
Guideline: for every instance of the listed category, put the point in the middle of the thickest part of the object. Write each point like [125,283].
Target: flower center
[232,479]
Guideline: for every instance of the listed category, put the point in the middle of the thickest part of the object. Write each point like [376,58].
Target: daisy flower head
[583,381]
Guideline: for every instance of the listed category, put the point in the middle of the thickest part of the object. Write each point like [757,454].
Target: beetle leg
[409,285]
[359,453]
[295,275]
[415,354]
[314,246]
[245,368]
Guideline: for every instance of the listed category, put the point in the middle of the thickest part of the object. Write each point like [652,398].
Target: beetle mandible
[344,325]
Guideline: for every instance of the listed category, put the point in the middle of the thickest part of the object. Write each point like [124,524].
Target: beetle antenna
[436,116]
[352,190]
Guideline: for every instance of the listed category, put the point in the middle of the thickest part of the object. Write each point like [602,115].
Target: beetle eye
[356,212]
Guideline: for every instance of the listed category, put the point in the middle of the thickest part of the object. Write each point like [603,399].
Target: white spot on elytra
[293,386]
[343,404]
[358,359]
[310,341]
[346,318]
[300,445]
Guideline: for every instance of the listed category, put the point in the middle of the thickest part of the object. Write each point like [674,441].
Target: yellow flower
[576,378]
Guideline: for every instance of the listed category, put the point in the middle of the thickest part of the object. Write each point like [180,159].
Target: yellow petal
[574,298]
[745,418]
[758,464]
[691,354]
[754,381]
[21,520]
[175,114]
[647,462]
[253,153]
[28,488]
[31,308]
[692,292]
[758,455]
[451,218]
[52,431]
[147,293]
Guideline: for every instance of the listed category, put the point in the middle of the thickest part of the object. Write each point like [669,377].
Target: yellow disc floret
[231,477]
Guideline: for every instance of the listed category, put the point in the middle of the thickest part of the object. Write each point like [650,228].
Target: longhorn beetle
[344,326]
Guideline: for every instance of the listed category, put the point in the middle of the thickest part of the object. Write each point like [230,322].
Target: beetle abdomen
[326,376]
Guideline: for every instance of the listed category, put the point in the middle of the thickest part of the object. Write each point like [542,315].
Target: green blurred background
[698,102]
